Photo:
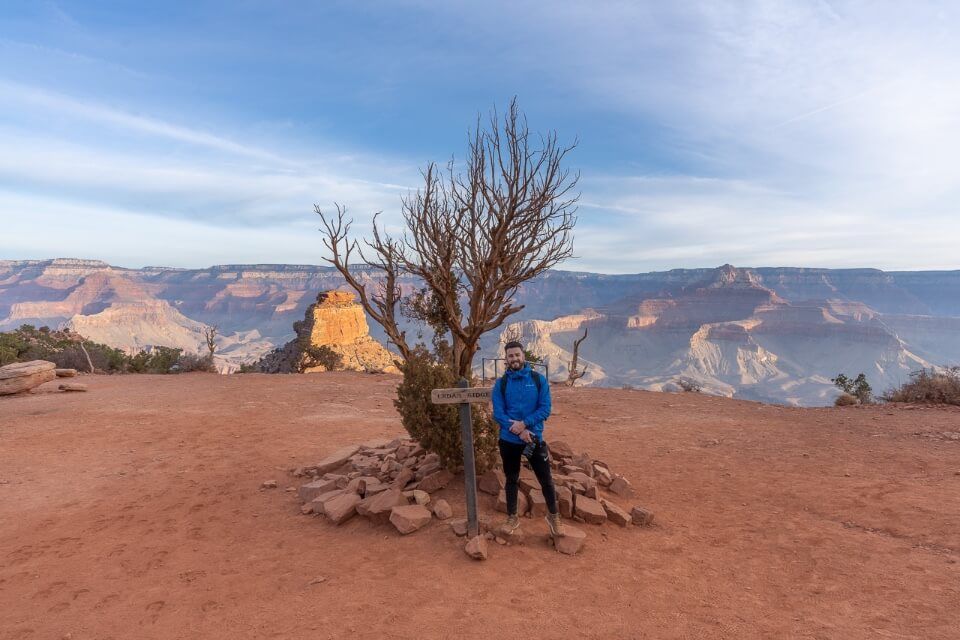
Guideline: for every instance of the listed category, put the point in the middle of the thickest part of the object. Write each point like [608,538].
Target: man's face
[515,359]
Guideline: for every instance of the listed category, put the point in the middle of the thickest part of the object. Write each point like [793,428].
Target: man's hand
[517,427]
[527,436]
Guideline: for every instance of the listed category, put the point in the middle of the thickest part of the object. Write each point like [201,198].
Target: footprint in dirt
[106,601]
[60,606]
[50,590]
[210,605]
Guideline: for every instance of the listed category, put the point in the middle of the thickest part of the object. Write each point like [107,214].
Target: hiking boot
[511,524]
[556,527]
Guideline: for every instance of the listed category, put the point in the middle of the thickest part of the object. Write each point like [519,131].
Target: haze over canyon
[769,334]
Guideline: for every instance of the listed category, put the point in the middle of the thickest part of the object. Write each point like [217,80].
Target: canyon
[770,334]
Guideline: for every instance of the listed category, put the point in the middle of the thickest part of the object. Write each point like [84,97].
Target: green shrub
[188,362]
[320,356]
[437,426]
[157,360]
[858,388]
[928,386]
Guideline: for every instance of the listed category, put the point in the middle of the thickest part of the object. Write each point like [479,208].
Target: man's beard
[516,366]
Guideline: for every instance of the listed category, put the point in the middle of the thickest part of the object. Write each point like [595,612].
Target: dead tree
[210,334]
[573,374]
[472,237]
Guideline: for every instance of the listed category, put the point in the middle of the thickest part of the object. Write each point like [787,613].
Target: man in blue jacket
[521,404]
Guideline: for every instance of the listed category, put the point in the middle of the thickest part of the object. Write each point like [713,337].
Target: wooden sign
[459,395]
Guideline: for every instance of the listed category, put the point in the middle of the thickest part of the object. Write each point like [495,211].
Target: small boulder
[269,484]
[571,541]
[65,373]
[528,480]
[560,449]
[584,462]
[313,489]
[476,548]
[459,526]
[538,504]
[602,475]
[72,386]
[408,519]
[442,509]
[492,482]
[641,517]
[615,514]
[341,508]
[435,481]
[378,507]
[591,511]
[404,477]
[319,502]
[421,497]
[621,486]
[336,459]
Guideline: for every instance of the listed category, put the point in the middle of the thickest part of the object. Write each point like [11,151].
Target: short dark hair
[513,344]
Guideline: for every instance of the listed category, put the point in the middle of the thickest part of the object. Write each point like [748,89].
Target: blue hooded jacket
[523,402]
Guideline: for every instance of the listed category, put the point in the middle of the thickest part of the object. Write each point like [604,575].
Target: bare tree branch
[573,374]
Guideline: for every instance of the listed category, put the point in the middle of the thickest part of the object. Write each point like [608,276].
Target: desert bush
[60,347]
[929,386]
[157,360]
[858,388]
[437,426]
[320,356]
[188,362]
[845,400]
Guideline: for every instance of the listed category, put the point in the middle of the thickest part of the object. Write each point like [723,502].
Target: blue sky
[756,133]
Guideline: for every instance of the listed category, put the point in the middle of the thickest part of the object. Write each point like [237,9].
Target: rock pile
[584,487]
[381,481]
[392,482]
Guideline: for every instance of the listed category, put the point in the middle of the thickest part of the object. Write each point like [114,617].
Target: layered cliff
[334,329]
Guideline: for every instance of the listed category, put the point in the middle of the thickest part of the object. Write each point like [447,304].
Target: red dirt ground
[134,511]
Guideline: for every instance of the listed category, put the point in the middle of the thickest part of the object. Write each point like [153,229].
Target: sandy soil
[134,511]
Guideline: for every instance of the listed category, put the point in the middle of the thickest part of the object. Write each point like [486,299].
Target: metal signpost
[464,395]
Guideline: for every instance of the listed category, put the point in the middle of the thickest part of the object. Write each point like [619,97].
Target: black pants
[510,454]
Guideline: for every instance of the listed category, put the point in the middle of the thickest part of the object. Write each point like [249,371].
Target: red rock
[584,462]
[528,480]
[641,517]
[378,508]
[442,509]
[522,503]
[341,508]
[421,497]
[565,501]
[459,526]
[336,459]
[615,514]
[590,510]
[476,548]
[435,481]
[313,489]
[319,502]
[560,449]
[538,504]
[425,470]
[583,480]
[404,477]
[65,373]
[621,487]
[72,386]
[269,484]
[592,492]
[492,482]
[408,519]
[571,541]
[602,475]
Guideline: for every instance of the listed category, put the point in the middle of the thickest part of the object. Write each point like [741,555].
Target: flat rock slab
[341,508]
[313,489]
[336,459]
[565,501]
[409,518]
[590,510]
[23,376]
[615,514]
[435,481]
[538,504]
[65,373]
[571,541]
[378,507]
[621,486]
[72,386]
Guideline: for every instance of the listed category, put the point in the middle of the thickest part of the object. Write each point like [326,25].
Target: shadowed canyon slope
[776,334]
